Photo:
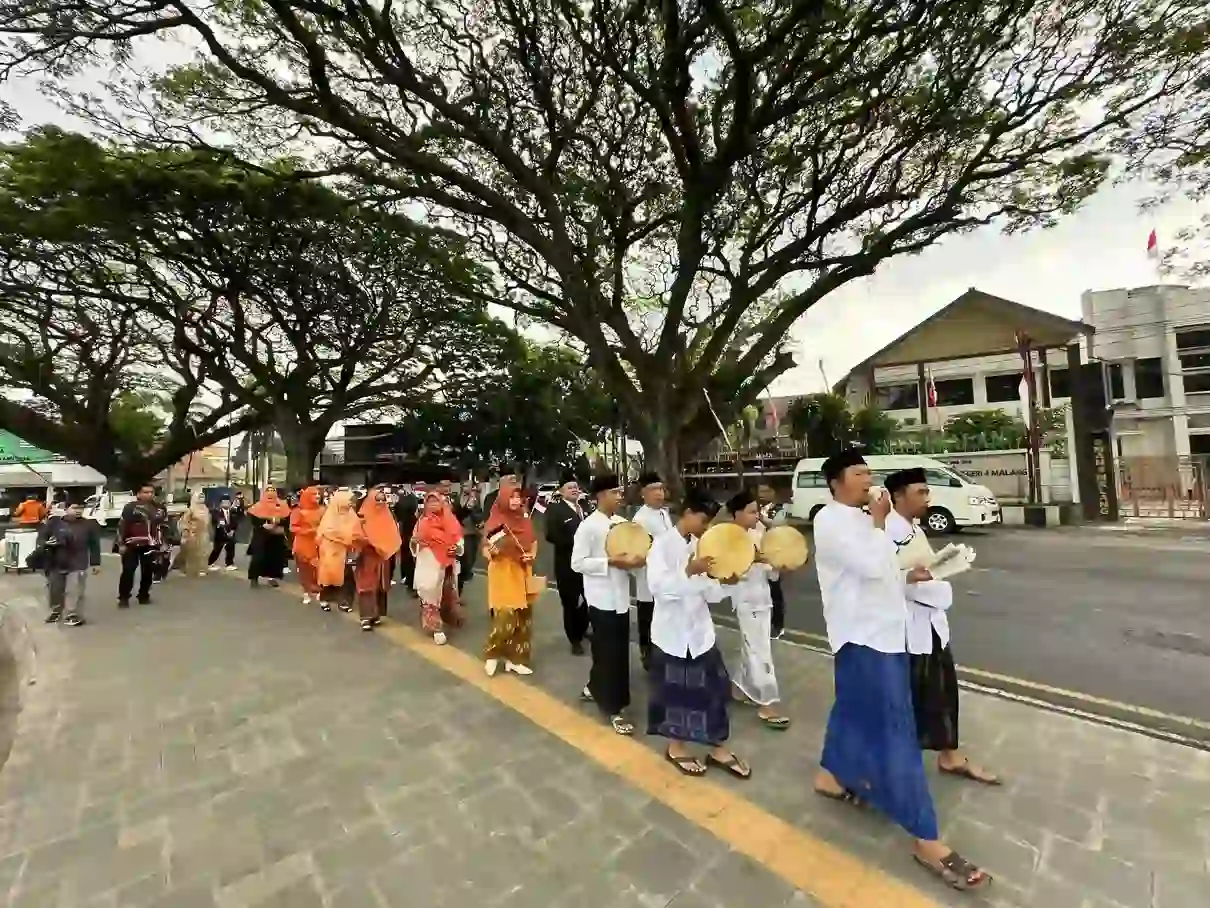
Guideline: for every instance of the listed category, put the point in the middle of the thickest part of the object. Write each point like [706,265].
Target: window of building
[1193,338]
[1117,390]
[1059,384]
[897,397]
[1003,388]
[1149,377]
[1198,383]
[955,392]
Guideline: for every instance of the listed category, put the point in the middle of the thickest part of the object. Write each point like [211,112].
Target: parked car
[106,508]
[955,501]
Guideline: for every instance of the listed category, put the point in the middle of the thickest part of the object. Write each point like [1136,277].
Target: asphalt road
[1105,616]
[1113,624]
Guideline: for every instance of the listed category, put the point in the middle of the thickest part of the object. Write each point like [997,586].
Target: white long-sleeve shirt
[752,591]
[605,587]
[860,581]
[927,601]
[681,622]
[656,521]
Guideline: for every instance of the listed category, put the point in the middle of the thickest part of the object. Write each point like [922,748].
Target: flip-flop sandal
[689,766]
[847,796]
[957,872]
[732,764]
[966,771]
[621,725]
[778,723]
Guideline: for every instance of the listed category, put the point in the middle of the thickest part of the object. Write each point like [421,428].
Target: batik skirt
[871,745]
[689,697]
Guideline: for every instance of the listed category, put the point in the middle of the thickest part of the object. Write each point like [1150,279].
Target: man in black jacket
[226,520]
[72,547]
[563,515]
[140,532]
[406,514]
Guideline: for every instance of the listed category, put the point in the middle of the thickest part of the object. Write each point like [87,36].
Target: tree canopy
[672,185]
[540,410]
[304,306]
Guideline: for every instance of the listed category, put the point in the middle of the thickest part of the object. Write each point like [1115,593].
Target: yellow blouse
[507,583]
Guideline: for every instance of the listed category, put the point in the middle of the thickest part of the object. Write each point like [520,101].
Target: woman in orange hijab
[341,539]
[304,528]
[509,547]
[267,549]
[373,571]
[436,545]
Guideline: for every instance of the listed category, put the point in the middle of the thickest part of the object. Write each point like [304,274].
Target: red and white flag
[772,420]
[1153,246]
[930,390]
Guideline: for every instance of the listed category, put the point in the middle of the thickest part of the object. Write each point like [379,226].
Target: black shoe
[144,600]
[123,603]
[577,649]
[52,617]
[73,620]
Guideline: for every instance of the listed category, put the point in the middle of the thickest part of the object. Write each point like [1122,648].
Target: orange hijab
[304,524]
[382,532]
[340,522]
[520,527]
[270,506]
[439,530]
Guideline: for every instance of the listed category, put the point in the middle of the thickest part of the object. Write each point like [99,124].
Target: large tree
[305,306]
[93,377]
[672,184]
[543,407]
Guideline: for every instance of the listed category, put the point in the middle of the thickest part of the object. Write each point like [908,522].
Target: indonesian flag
[1153,246]
[772,420]
[930,390]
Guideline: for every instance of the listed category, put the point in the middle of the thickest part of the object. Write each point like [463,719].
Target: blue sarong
[871,745]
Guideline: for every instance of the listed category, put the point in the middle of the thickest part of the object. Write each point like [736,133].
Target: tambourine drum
[731,548]
[627,540]
[784,548]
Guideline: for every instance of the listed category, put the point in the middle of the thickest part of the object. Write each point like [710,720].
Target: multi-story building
[1157,340]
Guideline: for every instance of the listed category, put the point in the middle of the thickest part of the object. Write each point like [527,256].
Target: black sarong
[609,678]
[935,698]
[689,697]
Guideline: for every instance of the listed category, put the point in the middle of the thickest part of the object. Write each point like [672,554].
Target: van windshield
[950,471]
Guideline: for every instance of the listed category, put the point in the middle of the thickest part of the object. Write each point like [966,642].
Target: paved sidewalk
[225,748]
[220,748]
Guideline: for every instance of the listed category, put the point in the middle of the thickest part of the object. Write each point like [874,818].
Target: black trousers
[470,554]
[139,558]
[571,595]
[609,678]
[407,565]
[778,618]
[935,698]
[223,543]
[645,610]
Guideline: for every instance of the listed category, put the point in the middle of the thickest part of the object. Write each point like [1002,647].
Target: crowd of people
[896,689]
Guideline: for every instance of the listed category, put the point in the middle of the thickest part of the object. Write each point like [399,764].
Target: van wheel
[815,510]
[939,521]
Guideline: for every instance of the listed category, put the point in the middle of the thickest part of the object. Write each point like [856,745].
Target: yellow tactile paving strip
[833,878]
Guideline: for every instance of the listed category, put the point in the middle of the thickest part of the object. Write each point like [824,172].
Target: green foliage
[873,429]
[822,422]
[136,421]
[543,407]
[987,430]
[691,155]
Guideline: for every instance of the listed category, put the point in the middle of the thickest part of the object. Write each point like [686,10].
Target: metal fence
[1163,487]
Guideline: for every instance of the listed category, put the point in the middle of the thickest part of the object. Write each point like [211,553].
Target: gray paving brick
[1098,873]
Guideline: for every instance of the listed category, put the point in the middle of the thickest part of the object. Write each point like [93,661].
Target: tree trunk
[303,444]
[662,453]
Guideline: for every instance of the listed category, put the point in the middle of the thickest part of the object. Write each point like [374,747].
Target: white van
[955,500]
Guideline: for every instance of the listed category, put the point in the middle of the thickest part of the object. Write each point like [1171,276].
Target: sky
[1102,246]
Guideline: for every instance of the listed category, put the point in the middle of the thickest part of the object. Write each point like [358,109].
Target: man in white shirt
[934,677]
[690,687]
[871,753]
[607,591]
[752,599]
[770,512]
[655,519]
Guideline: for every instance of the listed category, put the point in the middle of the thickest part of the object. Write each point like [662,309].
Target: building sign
[14,450]
[1102,471]
[1005,473]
